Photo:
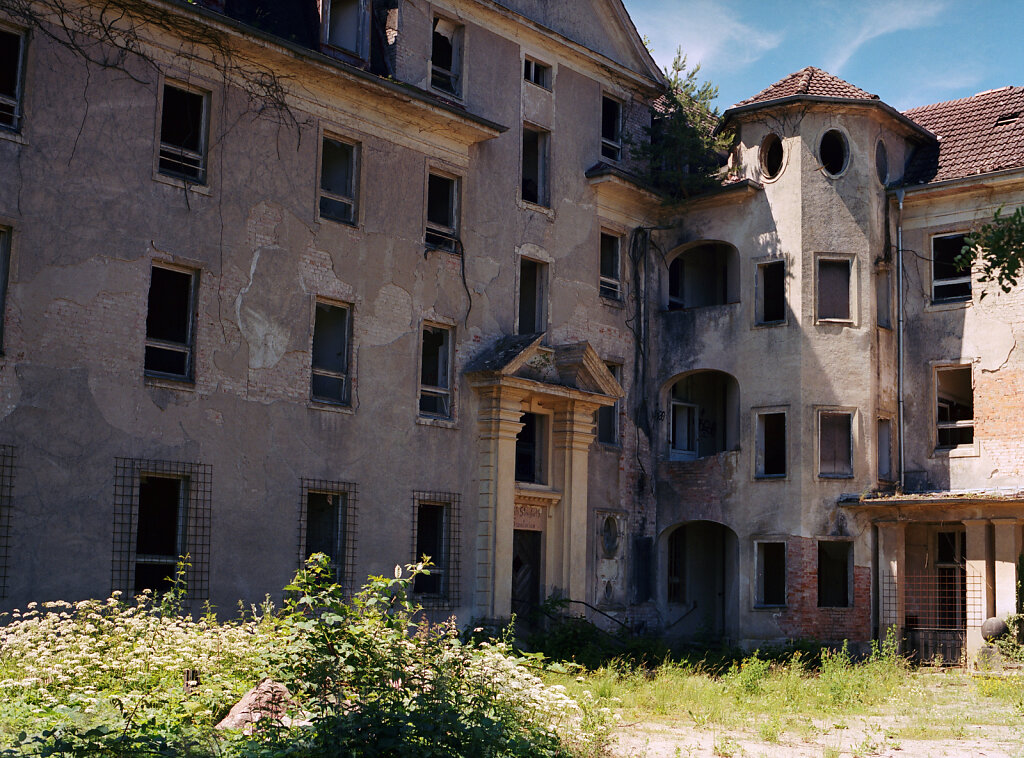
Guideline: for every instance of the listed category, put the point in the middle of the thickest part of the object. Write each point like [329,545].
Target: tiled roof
[977,135]
[809,81]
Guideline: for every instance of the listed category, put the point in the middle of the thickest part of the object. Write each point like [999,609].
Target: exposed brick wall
[999,417]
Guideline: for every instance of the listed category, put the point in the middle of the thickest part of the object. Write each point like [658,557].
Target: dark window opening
[435,382]
[535,169]
[833,152]
[881,162]
[833,290]
[676,301]
[444,56]
[704,415]
[331,329]
[949,548]
[611,276]
[325,527]
[337,181]
[611,128]
[771,444]
[949,280]
[883,299]
[608,415]
[11,57]
[345,24]
[430,542]
[170,319]
[441,216]
[834,558]
[160,533]
[771,573]
[530,444]
[885,450]
[676,574]
[531,296]
[773,292]
[537,73]
[771,156]
[5,267]
[955,407]
[705,275]
[183,134]
[835,445]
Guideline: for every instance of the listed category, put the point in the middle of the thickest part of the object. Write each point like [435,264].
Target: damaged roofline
[793,99]
[325,61]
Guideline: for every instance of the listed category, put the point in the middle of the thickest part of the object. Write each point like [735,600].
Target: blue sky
[908,52]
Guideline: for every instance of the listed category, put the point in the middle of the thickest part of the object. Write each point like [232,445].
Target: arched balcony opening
[703,417]
[704,274]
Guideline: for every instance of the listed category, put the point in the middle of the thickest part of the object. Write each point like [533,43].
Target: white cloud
[880,18]
[708,31]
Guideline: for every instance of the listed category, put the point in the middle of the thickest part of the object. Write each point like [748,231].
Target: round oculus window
[881,162]
[771,156]
[833,152]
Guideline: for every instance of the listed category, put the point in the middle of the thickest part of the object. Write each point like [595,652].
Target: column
[892,561]
[1007,551]
[980,598]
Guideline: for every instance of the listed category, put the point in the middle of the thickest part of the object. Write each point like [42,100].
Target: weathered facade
[379,280]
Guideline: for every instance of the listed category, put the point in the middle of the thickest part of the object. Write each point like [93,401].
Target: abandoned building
[378,278]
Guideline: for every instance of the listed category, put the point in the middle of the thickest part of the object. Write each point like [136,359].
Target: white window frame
[362,33]
[352,199]
[951,281]
[693,425]
[446,236]
[964,424]
[531,68]
[445,392]
[346,375]
[188,347]
[14,105]
[607,286]
[178,153]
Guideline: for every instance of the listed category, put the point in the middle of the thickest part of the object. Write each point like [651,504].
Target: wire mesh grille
[343,560]
[197,479]
[6,504]
[447,565]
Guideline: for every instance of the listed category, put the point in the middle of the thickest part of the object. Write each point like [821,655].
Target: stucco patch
[392,315]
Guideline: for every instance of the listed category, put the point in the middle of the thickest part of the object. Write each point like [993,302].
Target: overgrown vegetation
[999,247]
[368,677]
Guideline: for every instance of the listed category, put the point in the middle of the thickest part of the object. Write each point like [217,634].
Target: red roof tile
[809,81]
[977,135]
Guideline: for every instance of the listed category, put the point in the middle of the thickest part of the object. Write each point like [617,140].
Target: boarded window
[834,563]
[338,181]
[771,292]
[160,535]
[611,275]
[435,372]
[331,329]
[954,407]
[949,280]
[676,575]
[183,128]
[532,277]
[12,53]
[442,197]
[170,321]
[771,444]
[885,450]
[833,289]
[771,573]
[608,416]
[835,444]
[611,128]
[535,166]
[445,55]
[531,447]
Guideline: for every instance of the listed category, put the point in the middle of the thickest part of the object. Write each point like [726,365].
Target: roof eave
[960,182]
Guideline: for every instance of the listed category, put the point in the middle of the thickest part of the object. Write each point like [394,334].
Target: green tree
[999,247]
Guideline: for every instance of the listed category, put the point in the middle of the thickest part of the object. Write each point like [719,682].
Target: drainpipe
[899,336]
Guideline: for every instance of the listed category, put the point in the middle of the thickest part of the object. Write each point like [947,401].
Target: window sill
[763,607]
[613,302]
[609,446]
[835,607]
[443,423]
[835,322]
[543,210]
[173,181]
[336,222]
[770,324]
[937,306]
[835,476]
[166,382]
[960,451]
[324,405]
[446,94]
[770,477]
[10,135]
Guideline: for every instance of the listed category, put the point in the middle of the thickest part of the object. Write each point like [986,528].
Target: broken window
[531,449]
[330,377]
[442,216]
[532,280]
[833,152]
[683,432]
[835,444]
[771,155]
[949,280]
[435,372]
[537,73]
[445,57]
[770,567]
[338,181]
[835,559]
[183,129]
[707,274]
[885,450]
[954,396]
[704,415]
[771,444]
[12,62]
[5,269]
[325,528]
[160,531]
[883,299]
[611,272]
[833,289]
[771,292]
[346,25]
[436,524]
[170,323]
[608,415]
[676,574]
[535,166]
[949,548]
[611,128]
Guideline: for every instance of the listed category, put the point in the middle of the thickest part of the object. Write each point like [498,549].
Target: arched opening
[701,588]
[707,274]
[703,416]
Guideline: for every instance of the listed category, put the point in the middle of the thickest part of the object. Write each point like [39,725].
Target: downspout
[899,337]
